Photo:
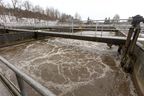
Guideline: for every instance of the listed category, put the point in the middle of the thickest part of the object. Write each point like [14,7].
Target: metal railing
[99,26]
[21,77]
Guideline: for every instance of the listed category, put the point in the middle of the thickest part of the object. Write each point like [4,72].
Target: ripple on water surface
[72,67]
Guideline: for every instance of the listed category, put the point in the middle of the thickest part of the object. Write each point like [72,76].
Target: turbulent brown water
[70,67]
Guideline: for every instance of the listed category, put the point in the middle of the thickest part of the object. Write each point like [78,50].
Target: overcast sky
[95,9]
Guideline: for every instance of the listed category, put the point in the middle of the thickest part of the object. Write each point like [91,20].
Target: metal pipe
[135,37]
[9,85]
[21,86]
[127,44]
[37,86]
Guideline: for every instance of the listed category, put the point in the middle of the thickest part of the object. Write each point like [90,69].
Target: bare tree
[25,9]
[57,14]
[17,7]
[1,2]
[37,8]
[77,16]
[129,19]
[116,18]
[38,11]
[52,15]
[63,17]
[14,3]
[47,12]
[27,5]
[2,11]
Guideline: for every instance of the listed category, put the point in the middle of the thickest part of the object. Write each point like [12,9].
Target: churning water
[71,67]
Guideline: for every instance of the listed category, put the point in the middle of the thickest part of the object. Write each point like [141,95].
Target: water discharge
[71,67]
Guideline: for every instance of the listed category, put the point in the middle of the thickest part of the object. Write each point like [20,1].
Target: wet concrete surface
[71,67]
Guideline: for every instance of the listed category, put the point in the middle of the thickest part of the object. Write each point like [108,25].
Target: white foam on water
[132,88]
[60,47]
[105,69]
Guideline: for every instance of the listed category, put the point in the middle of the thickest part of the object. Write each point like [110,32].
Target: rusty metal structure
[129,57]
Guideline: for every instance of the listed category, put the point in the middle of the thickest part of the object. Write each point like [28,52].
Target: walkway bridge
[70,30]
[116,40]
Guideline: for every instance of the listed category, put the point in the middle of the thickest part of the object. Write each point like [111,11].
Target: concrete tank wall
[138,72]
[14,38]
[11,38]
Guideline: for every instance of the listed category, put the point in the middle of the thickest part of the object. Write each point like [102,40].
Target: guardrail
[73,25]
[21,77]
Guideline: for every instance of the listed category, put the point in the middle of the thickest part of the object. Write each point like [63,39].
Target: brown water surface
[71,67]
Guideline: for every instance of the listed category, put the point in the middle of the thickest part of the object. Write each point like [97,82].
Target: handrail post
[72,25]
[102,29]
[21,85]
[96,29]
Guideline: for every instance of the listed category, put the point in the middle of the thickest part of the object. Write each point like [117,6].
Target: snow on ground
[8,20]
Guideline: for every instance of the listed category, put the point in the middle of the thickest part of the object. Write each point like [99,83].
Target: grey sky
[95,9]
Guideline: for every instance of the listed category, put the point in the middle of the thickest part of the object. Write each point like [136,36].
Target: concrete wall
[2,31]
[138,72]
[11,38]
[14,38]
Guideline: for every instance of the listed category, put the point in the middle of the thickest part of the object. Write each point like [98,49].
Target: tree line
[25,9]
